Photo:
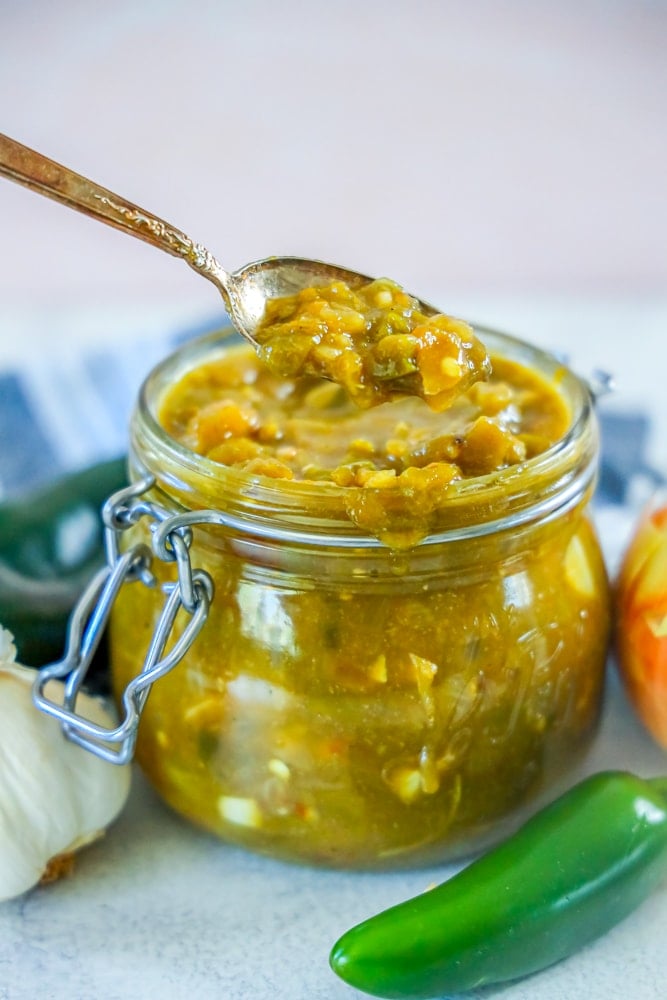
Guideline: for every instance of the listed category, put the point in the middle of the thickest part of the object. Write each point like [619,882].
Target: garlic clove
[55,797]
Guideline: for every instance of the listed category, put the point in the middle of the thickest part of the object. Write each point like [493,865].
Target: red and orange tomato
[642,620]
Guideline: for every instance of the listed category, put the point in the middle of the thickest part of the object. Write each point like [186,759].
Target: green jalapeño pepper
[567,876]
[51,544]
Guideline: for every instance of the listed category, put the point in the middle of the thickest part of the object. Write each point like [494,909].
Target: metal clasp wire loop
[156,665]
[601,383]
[192,592]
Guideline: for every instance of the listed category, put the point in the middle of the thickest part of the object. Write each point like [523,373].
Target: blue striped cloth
[62,410]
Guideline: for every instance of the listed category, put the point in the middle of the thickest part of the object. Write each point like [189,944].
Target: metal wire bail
[192,592]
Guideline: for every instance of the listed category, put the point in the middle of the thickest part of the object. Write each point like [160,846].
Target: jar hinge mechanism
[191,592]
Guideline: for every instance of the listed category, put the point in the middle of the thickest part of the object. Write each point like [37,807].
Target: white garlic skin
[54,796]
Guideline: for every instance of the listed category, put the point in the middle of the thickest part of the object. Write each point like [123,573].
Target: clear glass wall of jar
[355,705]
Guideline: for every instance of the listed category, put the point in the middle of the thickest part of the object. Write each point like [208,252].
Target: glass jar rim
[270,508]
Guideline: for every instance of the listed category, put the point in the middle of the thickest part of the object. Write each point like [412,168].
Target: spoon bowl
[245,291]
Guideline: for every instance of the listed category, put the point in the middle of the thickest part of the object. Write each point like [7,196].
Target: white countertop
[160,909]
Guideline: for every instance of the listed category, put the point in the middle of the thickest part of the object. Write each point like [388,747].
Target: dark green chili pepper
[567,876]
[51,543]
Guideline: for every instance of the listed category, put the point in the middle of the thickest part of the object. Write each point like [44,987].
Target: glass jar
[356,705]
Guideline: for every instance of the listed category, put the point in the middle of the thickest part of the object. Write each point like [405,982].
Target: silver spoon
[245,291]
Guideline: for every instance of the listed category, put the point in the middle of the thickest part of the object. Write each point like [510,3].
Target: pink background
[517,146]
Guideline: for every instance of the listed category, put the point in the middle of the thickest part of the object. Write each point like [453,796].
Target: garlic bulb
[55,797]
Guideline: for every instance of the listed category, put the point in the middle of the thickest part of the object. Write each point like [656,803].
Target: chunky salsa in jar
[408,634]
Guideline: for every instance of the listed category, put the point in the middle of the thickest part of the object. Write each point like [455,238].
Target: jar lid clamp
[192,592]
